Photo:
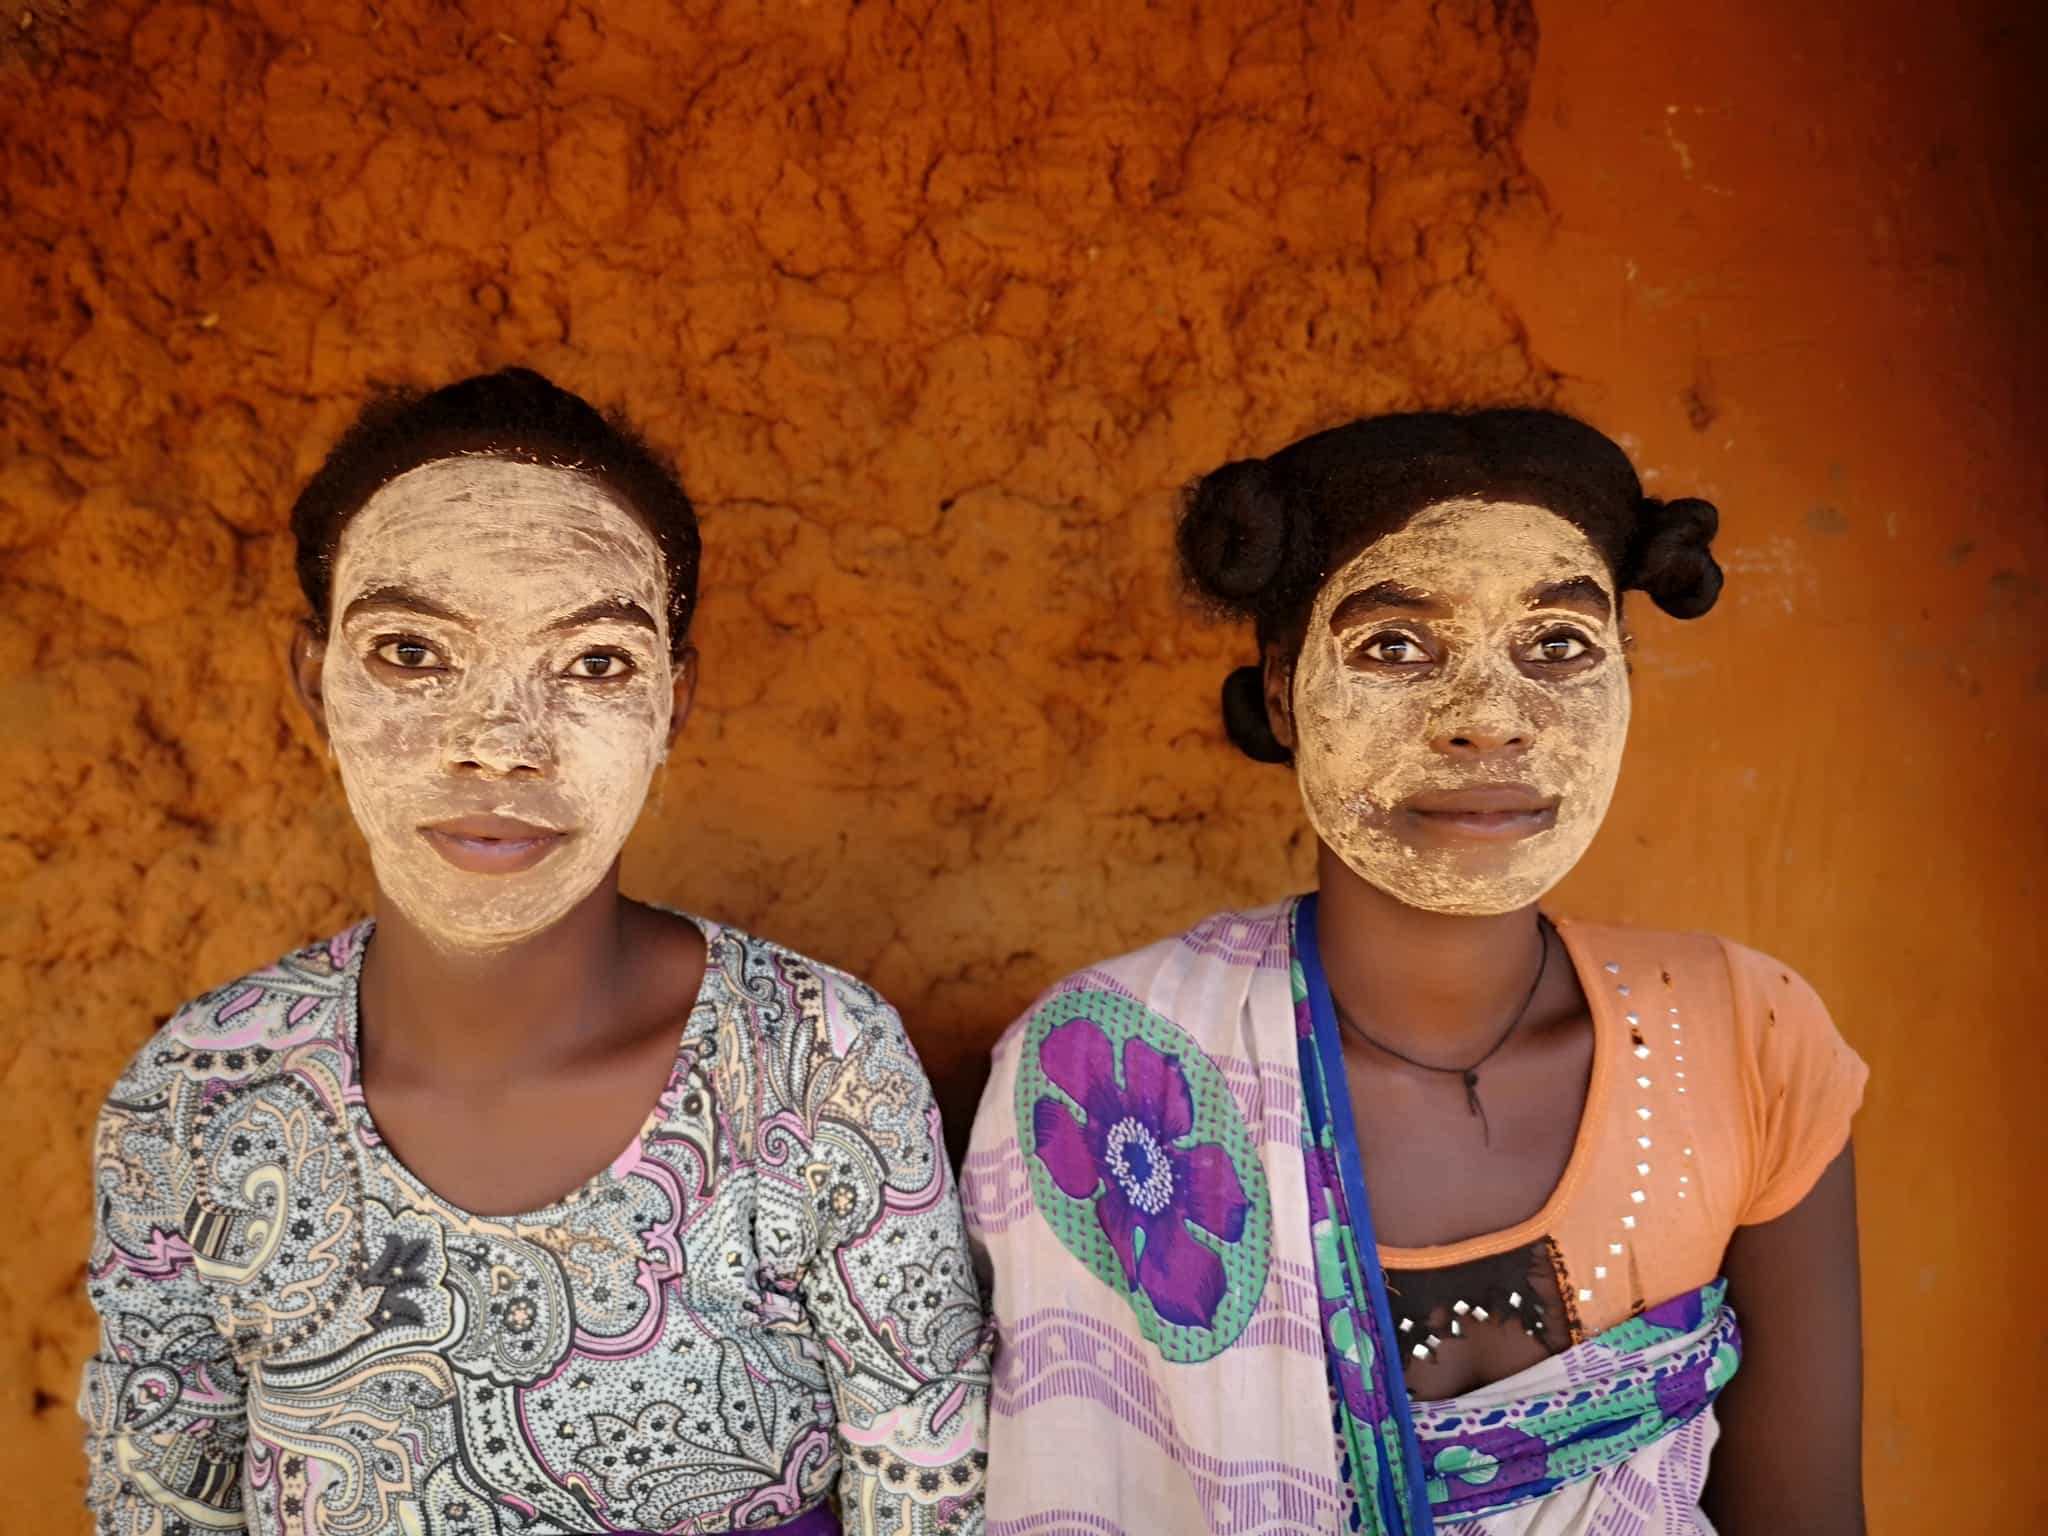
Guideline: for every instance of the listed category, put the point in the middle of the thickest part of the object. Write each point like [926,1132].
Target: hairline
[423,450]
[1291,639]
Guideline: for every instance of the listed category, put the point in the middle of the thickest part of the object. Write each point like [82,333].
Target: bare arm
[1791,1450]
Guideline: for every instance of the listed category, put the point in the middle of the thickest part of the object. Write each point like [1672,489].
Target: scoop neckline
[1585,1141]
[364,1123]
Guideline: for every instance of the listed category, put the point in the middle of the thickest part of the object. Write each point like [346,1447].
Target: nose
[506,739]
[1484,715]
[1478,739]
[1483,720]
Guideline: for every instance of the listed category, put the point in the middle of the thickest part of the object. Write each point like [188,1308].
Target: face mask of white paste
[485,659]
[1492,686]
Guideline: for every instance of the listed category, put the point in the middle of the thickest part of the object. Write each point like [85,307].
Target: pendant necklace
[1470,1074]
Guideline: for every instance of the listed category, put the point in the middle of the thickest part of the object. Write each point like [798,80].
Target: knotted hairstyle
[1259,536]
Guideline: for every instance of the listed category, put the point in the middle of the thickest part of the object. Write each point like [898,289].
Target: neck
[436,1011]
[1434,986]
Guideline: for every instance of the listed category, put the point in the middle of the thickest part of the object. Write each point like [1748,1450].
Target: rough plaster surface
[936,306]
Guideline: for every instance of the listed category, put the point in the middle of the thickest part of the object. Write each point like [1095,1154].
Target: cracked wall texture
[936,305]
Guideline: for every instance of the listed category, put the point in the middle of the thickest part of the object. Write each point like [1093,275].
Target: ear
[308,652]
[684,696]
[1279,677]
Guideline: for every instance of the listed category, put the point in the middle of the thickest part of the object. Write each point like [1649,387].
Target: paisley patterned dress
[762,1309]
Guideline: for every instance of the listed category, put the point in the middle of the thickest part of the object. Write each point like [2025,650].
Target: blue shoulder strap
[1330,1054]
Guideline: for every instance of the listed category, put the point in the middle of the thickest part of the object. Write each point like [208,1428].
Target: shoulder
[1748,983]
[1241,939]
[1188,994]
[1763,981]
[233,1039]
[1616,947]
[1216,957]
[1788,1031]
[781,982]
[1760,1050]
[237,1033]
[803,1043]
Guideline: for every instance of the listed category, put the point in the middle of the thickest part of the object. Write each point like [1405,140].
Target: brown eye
[1560,645]
[604,666]
[1394,649]
[409,654]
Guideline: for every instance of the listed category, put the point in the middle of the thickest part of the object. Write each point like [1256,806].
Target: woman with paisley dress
[522,1207]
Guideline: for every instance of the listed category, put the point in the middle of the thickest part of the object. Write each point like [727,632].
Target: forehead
[496,524]
[1471,548]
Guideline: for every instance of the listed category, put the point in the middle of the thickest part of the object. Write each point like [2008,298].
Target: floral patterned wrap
[762,1308]
[1135,1187]
[1182,1297]
[1154,1186]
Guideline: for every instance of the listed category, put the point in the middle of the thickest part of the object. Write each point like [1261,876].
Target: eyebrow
[407,600]
[1381,594]
[1579,592]
[620,609]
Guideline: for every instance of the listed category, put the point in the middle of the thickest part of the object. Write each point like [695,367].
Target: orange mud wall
[936,306]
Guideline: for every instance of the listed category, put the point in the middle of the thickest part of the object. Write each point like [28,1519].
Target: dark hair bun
[1234,532]
[1245,720]
[1670,556]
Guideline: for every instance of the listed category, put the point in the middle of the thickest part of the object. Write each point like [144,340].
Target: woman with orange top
[1404,1205]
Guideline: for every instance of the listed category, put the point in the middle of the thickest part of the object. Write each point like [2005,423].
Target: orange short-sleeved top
[1720,1091]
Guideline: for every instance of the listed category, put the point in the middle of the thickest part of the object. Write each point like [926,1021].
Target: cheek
[608,746]
[380,731]
[1363,742]
[1587,727]
[1333,703]
[1385,719]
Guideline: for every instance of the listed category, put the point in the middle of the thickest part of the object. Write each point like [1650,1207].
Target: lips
[1483,812]
[492,845]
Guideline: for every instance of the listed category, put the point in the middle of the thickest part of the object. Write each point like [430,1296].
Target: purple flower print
[1151,1186]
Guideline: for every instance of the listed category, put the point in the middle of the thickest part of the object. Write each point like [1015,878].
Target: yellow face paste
[1473,659]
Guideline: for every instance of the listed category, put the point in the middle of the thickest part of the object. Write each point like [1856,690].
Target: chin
[1430,880]
[473,914]
[1488,905]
